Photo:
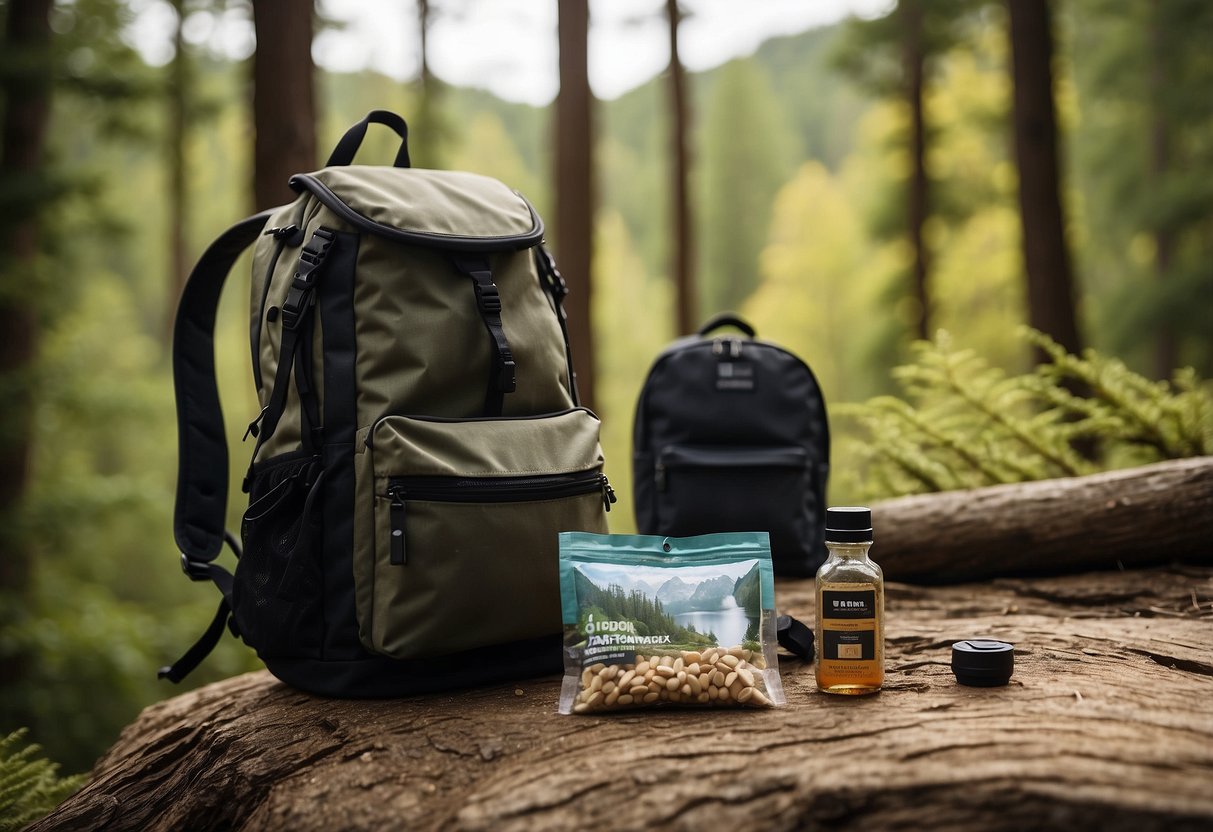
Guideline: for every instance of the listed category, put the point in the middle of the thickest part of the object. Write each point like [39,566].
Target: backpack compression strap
[202,472]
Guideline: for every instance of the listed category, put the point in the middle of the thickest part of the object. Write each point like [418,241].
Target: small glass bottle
[850,607]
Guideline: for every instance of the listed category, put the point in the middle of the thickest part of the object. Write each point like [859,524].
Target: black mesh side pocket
[277,595]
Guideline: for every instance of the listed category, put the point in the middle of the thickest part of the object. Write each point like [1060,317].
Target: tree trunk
[913,59]
[575,194]
[1046,257]
[680,159]
[178,218]
[1166,356]
[1106,724]
[284,110]
[1153,514]
[425,136]
[25,93]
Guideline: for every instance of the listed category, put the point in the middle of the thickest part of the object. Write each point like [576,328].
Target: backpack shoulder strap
[202,471]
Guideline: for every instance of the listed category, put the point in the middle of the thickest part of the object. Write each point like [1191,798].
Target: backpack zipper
[711,457]
[369,442]
[447,242]
[486,490]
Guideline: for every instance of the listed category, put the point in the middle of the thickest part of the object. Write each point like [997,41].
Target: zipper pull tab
[396,511]
[608,494]
[254,427]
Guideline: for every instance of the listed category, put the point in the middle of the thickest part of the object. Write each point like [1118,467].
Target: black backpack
[731,435]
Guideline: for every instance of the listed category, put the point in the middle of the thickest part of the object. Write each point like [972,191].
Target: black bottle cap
[983,662]
[849,524]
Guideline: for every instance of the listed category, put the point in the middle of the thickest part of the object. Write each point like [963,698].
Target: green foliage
[747,156]
[1143,72]
[969,424]
[633,313]
[30,785]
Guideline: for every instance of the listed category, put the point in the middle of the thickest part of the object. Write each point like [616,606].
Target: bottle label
[848,628]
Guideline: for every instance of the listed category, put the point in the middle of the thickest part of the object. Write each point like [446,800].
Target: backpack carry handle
[726,319]
[343,153]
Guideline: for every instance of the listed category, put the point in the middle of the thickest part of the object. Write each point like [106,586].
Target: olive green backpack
[419,445]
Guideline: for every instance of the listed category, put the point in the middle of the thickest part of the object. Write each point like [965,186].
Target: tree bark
[680,159]
[575,187]
[913,60]
[425,134]
[1046,257]
[284,109]
[1154,514]
[25,93]
[1106,724]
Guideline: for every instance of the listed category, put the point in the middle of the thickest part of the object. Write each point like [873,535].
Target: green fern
[30,786]
[964,423]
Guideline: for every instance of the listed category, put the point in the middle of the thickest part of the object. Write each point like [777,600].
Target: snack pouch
[651,620]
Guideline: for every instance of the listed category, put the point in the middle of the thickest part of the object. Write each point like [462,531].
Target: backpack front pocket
[466,518]
[703,489]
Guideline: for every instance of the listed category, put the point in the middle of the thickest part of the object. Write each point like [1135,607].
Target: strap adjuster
[311,258]
[488,298]
[507,377]
[557,285]
[195,570]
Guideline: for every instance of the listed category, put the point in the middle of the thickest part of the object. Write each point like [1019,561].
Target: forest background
[801,187]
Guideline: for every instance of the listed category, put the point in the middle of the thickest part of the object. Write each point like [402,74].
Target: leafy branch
[30,785]
[963,423]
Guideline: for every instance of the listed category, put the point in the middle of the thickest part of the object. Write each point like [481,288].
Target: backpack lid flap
[451,210]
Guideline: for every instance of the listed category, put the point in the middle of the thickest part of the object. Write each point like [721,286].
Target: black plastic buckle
[299,296]
[195,570]
[488,298]
[507,378]
[317,248]
[556,282]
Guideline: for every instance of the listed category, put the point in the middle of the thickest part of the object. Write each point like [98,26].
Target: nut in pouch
[653,621]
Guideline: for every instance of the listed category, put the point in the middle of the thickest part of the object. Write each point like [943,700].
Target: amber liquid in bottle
[850,614]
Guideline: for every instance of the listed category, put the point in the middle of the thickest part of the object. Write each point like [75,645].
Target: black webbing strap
[502,378]
[201,444]
[795,637]
[556,286]
[296,318]
[202,648]
[311,428]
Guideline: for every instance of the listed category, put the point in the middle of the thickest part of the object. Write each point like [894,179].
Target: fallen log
[1154,514]
[1107,724]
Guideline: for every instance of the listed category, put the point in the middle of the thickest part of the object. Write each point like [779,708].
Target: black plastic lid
[983,662]
[848,524]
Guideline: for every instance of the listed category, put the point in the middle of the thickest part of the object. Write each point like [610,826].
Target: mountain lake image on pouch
[718,604]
